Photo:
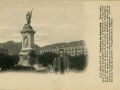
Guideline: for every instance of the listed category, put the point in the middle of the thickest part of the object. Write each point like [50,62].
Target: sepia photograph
[44,43]
[59,45]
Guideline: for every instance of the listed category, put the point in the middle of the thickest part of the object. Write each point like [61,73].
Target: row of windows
[85,51]
[73,54]
[65,50]
[73,48]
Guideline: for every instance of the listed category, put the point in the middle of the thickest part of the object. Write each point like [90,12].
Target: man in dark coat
[62,62]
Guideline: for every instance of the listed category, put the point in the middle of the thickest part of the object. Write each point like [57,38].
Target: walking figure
[55,65]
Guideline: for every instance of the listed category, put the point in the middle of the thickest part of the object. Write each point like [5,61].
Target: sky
[53,21]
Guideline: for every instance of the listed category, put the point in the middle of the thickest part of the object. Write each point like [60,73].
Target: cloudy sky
[53,21]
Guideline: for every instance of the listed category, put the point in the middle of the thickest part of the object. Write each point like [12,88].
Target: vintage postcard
[59,44]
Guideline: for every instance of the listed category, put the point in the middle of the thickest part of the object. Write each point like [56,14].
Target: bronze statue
[28,17]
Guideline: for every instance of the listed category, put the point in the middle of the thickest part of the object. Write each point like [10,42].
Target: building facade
[72,48]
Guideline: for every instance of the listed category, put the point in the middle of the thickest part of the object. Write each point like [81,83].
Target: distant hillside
[15,47]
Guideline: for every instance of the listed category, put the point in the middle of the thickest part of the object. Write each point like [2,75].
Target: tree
[1,59]
[32,58]
[47,58]
[6,62]
[78,62]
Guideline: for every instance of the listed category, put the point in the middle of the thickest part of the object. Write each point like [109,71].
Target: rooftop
[64,44]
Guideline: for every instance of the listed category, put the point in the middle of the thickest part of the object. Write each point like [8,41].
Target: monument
[27,42]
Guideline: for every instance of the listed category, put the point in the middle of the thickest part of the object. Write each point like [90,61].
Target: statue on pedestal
[28,17]
[27,43]
[28,27]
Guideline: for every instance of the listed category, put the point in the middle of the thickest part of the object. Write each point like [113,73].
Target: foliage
[32,58]
[32,55]
[7,61]
[78,62]
[47,58]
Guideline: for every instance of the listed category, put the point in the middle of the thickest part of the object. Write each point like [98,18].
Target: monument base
[24,58]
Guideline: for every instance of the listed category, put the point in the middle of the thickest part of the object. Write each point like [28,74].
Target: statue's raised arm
[31,13]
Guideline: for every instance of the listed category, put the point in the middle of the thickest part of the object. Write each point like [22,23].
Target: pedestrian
[55,65]
[48,67]
[62,62]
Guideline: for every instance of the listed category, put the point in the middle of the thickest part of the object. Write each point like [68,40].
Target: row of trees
[76,62]
[47,58]
[8,61]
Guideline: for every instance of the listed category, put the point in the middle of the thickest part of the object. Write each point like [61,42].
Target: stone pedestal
[27,45]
